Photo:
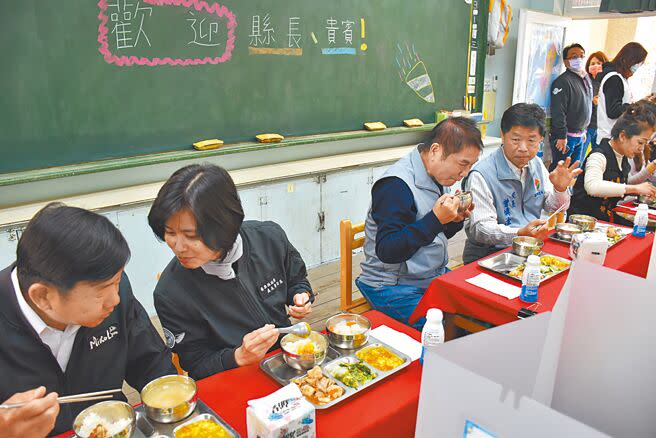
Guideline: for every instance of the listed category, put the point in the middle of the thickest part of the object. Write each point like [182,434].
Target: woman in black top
[231,282]
[594,67]
[605,179]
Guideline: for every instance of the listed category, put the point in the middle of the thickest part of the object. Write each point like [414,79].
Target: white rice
[342,328]
[92,420]
[293,347]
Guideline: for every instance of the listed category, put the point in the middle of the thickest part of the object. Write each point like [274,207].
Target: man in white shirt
[511,187]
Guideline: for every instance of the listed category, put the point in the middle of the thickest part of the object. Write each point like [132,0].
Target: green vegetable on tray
[353,375]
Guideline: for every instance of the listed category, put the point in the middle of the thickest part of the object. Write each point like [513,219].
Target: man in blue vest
[511,187]
[411,217]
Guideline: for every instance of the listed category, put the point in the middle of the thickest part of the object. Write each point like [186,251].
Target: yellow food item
[168,395]
[318,388]
[374,126]
[306,349]
[269,138]
[202,429]
[413,123]
[208,144]
[380,358]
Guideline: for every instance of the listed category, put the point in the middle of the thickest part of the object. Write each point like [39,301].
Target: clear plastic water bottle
[531,280]
[433,331]
[640,221]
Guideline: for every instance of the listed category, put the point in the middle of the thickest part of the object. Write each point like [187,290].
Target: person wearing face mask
[614,92]
[571,107]
[231,282]
[594,67]
[605,180]
[411,217]
[69,321]
[512,186]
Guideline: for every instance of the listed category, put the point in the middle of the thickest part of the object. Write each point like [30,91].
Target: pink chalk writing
[198,5]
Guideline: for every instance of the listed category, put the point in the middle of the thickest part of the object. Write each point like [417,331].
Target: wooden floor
[325,283]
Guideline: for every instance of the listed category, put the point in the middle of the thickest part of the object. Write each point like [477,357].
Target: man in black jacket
[69,320]
[571,108]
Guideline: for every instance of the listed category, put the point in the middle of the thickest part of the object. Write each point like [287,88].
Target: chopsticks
[76,398]
[561,208]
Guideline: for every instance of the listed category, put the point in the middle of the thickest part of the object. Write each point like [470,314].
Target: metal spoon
[302,329]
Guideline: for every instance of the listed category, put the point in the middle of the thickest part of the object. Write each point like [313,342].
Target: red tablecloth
[451,293]
[626,207]
[387,409]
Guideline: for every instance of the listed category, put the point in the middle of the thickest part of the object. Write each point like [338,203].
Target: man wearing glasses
[571,107]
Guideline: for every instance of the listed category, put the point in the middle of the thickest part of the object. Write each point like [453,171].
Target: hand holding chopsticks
[90,396]
[561,208]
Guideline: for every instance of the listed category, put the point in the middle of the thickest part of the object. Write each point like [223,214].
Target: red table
[451,293]
[626,208]
[387,409]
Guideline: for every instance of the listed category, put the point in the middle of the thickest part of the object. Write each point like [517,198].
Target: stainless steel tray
[505,262]
[272,366]
[162,430]
[602,228]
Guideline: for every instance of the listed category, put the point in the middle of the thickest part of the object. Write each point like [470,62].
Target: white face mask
[635,67]
[577,64]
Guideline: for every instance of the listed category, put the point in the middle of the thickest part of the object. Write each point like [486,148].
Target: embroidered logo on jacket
[98,341]
[271,285]
[557,90]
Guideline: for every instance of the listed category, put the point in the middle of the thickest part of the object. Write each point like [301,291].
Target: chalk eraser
[374,126]
[269,138]
[413,123]
[207,144]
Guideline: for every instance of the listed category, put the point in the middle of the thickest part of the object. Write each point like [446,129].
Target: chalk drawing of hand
[413,73]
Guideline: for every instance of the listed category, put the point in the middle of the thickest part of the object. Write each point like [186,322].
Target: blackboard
[83,80]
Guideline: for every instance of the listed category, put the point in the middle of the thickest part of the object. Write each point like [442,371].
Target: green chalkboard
[83,80]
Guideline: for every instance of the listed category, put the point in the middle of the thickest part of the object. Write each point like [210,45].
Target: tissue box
[283,414]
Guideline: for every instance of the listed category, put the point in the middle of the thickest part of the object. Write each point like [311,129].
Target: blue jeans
[397,301]
[574,149]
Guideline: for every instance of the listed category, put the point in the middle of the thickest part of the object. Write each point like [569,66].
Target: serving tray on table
[163,430]
[506,262]
[278,370]
[623,231]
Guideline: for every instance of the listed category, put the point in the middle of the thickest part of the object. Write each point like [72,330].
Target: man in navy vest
[511,187]
[411,217]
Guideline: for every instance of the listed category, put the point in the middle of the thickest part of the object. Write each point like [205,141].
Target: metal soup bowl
[587,223]
[465,201]
[169,411]
[525,246]
[346,341]
[304,361]
[111,411]
[567,230]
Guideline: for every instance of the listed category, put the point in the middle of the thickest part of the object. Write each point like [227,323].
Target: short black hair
[570,47]
[209,193]
[528,115]
[454,134]
[62,246]
[636,118]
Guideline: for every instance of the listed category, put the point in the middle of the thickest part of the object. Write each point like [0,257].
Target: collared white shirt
[484,226]
[59,342]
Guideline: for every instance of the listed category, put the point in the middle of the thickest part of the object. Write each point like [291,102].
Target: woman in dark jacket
[231,282]
[593,67]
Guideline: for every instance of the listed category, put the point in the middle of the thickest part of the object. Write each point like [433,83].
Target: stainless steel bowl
[111,411]
[164,412]
[525,246]
[465,201]
[587,223]
[651,202]
[348,341]
[567,230]
[304,361]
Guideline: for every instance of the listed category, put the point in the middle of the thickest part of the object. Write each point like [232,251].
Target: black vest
[601,208]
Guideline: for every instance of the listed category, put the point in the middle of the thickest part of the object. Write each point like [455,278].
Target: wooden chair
[347,243]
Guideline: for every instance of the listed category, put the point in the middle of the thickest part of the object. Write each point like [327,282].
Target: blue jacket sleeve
[399,233]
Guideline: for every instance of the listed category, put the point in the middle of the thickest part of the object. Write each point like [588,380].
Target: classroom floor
[325,282]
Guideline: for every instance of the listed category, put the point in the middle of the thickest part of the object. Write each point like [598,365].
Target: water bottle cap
[434,315]
[643,207]
[533,260]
